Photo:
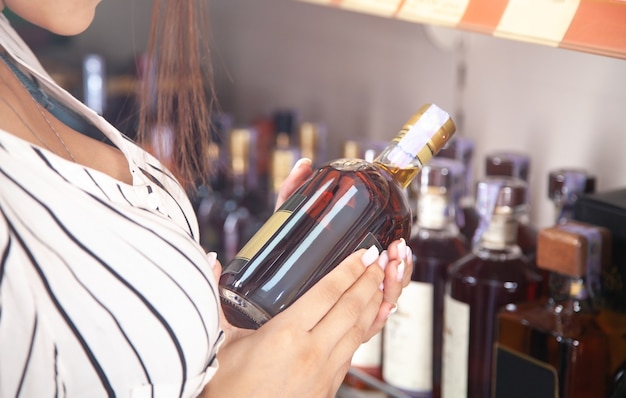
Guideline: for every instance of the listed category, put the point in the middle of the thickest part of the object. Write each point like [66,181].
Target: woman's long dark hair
[177,93]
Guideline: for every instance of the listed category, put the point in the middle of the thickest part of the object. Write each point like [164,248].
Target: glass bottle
[413,335]
[515,164]
[564,188]
[494,274]
[312,141]
[553,347]
[245,208]
[346,205]
[462,149]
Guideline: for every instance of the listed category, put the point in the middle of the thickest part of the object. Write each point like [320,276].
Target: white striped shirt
[104,289]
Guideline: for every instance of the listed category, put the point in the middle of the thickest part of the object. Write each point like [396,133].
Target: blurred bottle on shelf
[517,165]
[413,335]
[266,139]
[250,206]
[564,187]
[312,142]
[209,200]
[94,82]
[285,153]
[553,347]
[462,149]
[493,275]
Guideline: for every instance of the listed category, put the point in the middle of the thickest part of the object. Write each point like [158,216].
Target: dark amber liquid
[571,343]
[526,240]
[344,205]
[432,257]
[487,285]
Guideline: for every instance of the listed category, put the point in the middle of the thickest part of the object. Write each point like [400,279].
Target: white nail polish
[370,255]
[211,258]
[383,259]
[409,253]
[400,272]
[300,162]
[402,249]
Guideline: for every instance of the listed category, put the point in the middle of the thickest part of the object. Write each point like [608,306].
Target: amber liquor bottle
[493,275]
[553,347]
[413,334]
[347,204]
[517,165]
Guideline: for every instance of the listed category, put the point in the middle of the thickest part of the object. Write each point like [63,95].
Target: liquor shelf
[593,26]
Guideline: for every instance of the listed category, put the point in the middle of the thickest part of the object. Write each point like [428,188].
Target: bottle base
[241,312]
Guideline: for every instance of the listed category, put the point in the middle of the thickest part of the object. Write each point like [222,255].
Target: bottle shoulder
[474,269]
[435,244]
[559,320]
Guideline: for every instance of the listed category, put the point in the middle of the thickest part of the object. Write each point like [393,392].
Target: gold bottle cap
[426,132]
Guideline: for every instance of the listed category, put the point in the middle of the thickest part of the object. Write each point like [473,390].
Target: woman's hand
[300,172]
[305,351]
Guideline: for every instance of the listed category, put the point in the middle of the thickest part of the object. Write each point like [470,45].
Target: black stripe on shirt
[30,353]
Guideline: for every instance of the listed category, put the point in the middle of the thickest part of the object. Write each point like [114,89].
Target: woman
[104,289]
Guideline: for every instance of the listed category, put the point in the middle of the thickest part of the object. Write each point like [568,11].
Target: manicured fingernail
[383,259]
[300,162]
[400,271]
[402,249]
[370,256]
[211,258]
[392,310]
[409,253]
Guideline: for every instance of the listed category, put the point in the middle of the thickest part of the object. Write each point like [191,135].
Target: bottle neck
[499,233]
[435,211]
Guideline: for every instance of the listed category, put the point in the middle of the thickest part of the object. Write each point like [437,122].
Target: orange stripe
[483,16]
[599,26]
[399,8]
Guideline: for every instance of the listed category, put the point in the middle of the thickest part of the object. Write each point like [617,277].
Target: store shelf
[593,26]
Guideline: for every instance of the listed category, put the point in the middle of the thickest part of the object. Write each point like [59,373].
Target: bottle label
[455,348]
[407,354]
[271,226]
[501,232]
[518,375]
[432,210]
[369,354]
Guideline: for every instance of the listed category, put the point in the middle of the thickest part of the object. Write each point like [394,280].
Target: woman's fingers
[301,172]
[351,318]
[309,309]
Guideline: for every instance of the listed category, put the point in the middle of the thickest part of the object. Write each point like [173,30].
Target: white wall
[363,75]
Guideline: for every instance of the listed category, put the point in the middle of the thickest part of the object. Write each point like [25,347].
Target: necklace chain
[43,115]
